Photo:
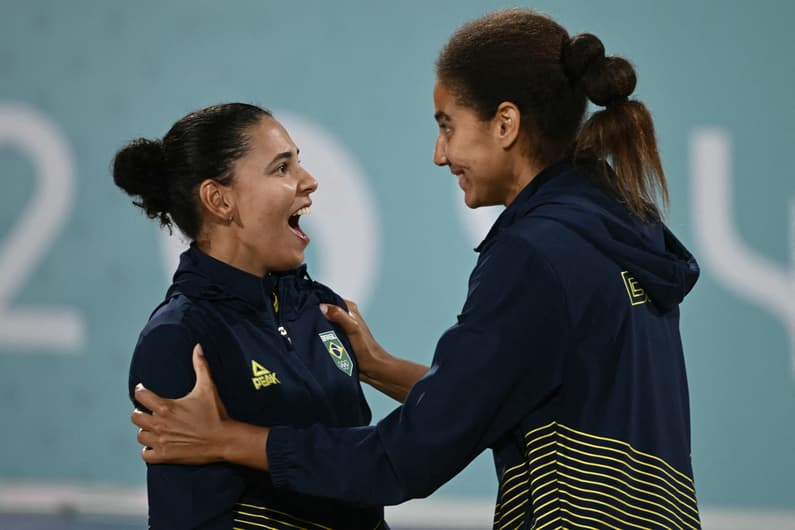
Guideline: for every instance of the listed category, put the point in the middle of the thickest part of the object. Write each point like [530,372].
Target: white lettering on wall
[733,263]
[43,327]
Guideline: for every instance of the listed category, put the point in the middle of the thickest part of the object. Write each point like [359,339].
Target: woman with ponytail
[566,359]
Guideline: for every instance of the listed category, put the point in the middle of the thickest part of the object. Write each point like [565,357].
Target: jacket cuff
[278,450]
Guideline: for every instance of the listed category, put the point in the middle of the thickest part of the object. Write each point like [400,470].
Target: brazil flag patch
[337,351]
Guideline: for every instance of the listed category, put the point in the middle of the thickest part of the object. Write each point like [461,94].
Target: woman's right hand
[367,350]
[391,375]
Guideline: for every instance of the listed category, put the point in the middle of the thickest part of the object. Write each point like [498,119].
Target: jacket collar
[524,200]
[255,290]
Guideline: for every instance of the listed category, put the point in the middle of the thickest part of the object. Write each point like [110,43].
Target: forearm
[393,376]
[440,428]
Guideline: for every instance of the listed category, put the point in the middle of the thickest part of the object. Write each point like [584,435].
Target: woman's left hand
[188,430]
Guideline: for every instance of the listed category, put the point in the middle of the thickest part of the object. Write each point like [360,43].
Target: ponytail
[622,133]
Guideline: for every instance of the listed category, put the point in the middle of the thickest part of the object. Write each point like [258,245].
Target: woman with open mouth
[229,177]
[566,360]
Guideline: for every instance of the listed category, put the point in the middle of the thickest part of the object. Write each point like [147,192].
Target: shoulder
[178,313]
[325,294]
[538,228]
[517,265]
[520,246]
[514,284]
[162,356]
[514,261]
[550,235]
[178,320]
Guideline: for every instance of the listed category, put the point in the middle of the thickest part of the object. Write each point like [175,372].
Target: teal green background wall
[80,268]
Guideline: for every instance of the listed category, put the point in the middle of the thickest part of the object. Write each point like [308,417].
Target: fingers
[203,377]
[149,399]
[147,438]
[204,381]
[143,420]
[339,316]
[155,455]
[352,307]
[151,456]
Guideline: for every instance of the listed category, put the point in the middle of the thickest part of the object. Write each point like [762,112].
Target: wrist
[224,442]
[376,364]
[243,444]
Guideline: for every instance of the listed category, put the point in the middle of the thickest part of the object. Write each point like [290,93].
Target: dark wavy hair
[523,57]
[165,174]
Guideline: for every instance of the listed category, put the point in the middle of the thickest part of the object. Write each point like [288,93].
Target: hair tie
[617,100]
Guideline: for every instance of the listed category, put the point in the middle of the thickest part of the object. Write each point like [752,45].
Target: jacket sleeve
[180,496]
[502,358]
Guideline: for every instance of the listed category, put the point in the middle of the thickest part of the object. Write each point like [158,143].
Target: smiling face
[269,193]
[472,149]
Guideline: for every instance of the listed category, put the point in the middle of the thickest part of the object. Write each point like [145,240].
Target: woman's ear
[507,121]
[218,200]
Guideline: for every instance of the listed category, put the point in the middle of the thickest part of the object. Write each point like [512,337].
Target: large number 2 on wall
[40,328]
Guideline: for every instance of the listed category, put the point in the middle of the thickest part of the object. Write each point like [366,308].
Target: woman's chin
[297,260]
[472,201]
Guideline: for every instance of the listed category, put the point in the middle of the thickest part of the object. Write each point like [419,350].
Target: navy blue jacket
[290,367]
[566,360]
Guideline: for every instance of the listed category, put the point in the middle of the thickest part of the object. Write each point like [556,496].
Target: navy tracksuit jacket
[290,367]
[566,361]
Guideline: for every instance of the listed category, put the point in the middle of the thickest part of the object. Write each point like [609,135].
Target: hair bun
[140,170]
[605,80]
[580,53]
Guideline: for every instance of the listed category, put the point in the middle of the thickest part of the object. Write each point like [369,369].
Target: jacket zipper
[283,332]
[279,326]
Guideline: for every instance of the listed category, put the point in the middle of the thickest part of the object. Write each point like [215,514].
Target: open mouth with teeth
[293,222]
